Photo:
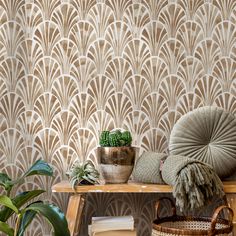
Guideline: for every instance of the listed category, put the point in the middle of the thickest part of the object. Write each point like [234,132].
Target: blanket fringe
[195,185]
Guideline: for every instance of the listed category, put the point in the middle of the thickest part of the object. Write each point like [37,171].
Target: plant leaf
[40,167]
[19,201]
[25,221]
[89,180]
[5,228]
[5,181]
[92,177]
[6,201]
[54,215]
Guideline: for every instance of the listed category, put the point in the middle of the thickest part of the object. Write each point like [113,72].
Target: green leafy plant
[83,173]
[115,138]
[25,211]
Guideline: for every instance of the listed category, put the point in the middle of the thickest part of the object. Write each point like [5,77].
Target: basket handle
[158,203]
[216,215]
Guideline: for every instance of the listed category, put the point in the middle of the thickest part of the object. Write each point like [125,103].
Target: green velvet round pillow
[207,134]
[147,168]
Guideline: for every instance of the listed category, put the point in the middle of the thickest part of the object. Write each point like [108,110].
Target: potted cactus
[116,156]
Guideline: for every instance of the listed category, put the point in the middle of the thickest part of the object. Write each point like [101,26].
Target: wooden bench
[76,201]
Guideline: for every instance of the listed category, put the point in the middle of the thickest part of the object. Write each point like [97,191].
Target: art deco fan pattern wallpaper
[71,68]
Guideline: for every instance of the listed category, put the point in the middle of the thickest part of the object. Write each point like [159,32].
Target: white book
[112,232]
[105,223]
[112,219]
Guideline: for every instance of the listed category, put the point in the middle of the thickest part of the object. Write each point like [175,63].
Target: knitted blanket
[194,183]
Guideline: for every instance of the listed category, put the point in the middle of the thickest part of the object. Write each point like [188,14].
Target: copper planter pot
[116,163]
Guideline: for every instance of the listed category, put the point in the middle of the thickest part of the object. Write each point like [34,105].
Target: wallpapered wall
[71,68]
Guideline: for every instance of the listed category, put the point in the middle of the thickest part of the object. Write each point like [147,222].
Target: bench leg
[74,213]
[231,200]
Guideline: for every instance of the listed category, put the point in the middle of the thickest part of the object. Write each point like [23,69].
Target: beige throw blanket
[194,182]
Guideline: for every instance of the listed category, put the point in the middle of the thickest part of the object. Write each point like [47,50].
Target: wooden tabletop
[65,187]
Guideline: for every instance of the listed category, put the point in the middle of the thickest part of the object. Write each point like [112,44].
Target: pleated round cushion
[207,134]
[147,168]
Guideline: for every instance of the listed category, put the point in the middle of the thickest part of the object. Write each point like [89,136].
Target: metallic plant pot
[116,163]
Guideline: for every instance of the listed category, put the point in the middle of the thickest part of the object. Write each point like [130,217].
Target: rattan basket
[187,225]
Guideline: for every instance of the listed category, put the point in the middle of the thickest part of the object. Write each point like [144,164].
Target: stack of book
[112,226]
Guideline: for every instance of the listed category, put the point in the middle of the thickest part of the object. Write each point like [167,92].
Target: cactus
[115,138]
[104,139]
[127,138]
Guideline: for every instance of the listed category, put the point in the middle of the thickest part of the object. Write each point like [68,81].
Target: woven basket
[187,225]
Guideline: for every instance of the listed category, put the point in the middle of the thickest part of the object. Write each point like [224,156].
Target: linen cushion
[147,168]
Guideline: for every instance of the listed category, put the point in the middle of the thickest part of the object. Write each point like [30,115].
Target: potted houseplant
[116,155]
[25,208]
[83,174]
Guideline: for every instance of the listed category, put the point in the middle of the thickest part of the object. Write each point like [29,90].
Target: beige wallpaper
[71,68]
